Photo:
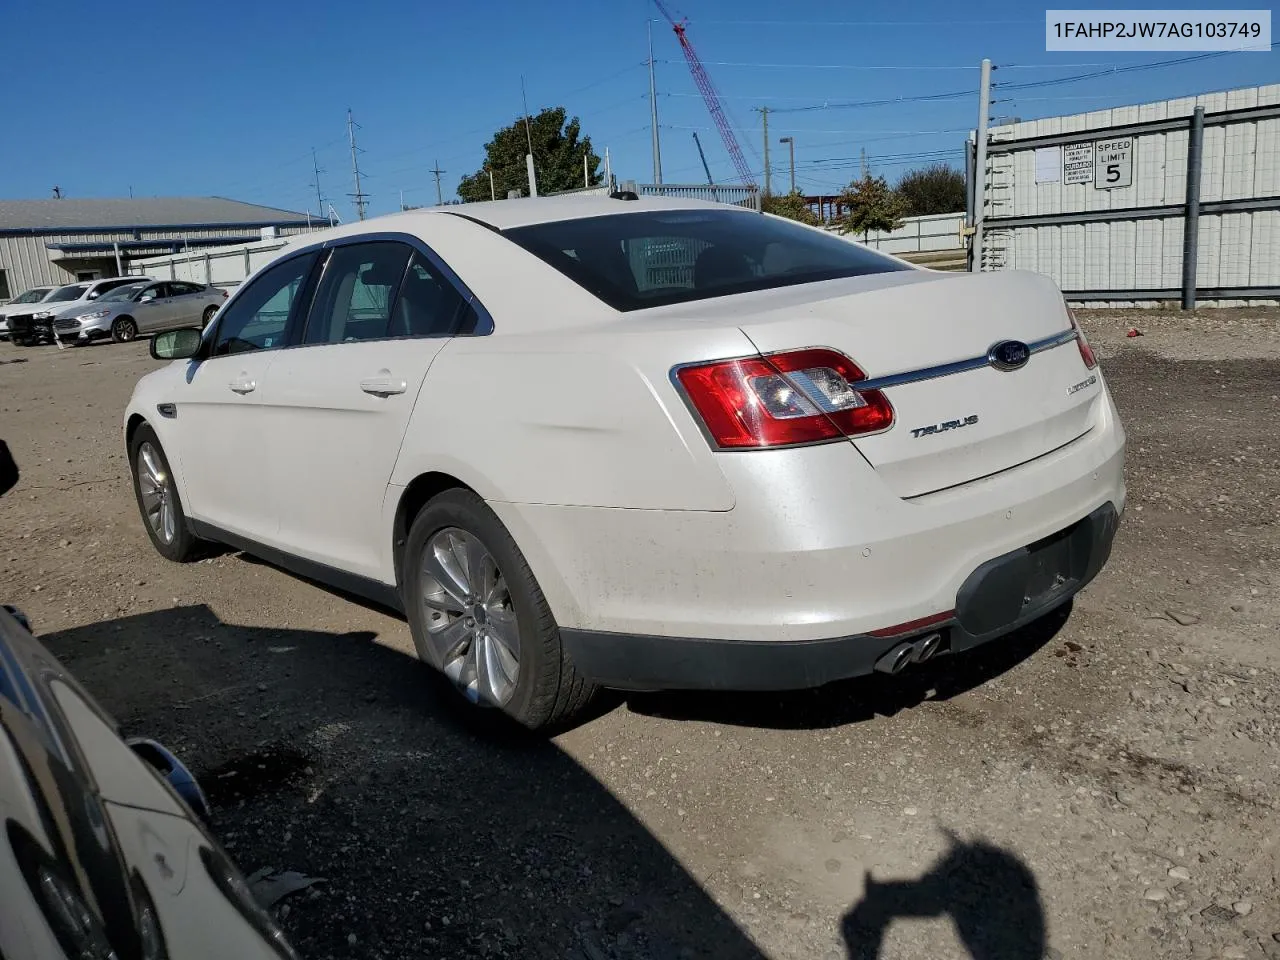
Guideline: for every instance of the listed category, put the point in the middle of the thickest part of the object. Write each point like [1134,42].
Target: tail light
[803,396]
[1086,351]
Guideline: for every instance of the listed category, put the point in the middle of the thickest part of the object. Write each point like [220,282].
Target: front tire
[124,330]
[478,615]
[158,502]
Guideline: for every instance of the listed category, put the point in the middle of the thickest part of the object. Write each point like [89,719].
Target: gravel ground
[1103,784]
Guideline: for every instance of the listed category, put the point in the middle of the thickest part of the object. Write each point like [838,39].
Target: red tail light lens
[1086,351]
[804,396]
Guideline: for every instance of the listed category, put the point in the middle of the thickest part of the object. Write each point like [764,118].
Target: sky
[229,99]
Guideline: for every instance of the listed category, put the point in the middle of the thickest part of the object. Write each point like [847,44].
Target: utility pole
[768,172]
[863,156]
[437,171]
[586,173]
[980,167]
[653,112]
[791,142]
[493,194]
[316,182]
[360,198]
[528,134]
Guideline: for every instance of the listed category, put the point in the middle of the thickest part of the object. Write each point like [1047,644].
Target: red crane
[711,96]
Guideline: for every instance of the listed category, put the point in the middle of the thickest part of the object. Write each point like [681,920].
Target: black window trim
[484,325]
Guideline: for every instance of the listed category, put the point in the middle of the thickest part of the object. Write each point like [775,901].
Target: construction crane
[711,96]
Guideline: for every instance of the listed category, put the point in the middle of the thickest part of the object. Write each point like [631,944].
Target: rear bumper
[1000,596]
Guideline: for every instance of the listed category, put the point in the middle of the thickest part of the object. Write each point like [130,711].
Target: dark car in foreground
[103,852]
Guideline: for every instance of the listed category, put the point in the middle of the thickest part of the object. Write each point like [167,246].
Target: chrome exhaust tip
[926,647]
[896,659]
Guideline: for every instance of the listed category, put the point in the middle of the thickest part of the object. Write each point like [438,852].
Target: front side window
[653,258]
[354,300]
[259,318]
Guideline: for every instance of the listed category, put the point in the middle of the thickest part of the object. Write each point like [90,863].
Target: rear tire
[124,330]
[158,502]
[493,589]
[209,314]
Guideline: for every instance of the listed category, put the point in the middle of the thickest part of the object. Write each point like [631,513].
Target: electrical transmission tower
[359,198]
[315,167]
[437,171]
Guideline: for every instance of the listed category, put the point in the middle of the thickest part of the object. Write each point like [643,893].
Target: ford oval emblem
[1009,355]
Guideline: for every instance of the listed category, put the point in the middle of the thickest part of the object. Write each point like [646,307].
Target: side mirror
[146,298]
[176,344]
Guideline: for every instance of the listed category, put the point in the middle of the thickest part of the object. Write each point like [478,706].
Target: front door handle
[243,385]
[383,386]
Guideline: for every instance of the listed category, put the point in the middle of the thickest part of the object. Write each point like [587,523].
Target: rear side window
[650,259]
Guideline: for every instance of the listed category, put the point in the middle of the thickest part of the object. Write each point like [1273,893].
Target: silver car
[141,308]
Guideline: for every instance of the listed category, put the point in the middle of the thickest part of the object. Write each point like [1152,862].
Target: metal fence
[1171,201]
[737,196]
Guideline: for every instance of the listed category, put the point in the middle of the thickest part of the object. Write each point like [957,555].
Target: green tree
[789,205]
[558,148]
[869,204]
[933,189]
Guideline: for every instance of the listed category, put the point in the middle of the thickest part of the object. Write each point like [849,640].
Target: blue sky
[176,101]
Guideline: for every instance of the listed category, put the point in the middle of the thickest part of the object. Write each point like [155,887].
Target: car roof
[506,214]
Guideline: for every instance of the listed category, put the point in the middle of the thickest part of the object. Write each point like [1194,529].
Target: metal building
[1100,201]
[61,241]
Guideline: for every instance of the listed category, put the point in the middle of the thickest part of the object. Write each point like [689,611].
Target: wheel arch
[413,498]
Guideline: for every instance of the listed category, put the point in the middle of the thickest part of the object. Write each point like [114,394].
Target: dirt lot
[1103,785]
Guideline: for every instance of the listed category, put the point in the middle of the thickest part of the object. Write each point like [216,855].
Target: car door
[340,402]
[223,440]
[187,304]
[150,307]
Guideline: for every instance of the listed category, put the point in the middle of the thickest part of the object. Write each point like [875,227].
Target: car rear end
[915,463]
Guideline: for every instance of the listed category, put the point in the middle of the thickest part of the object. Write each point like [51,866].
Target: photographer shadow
[990,895]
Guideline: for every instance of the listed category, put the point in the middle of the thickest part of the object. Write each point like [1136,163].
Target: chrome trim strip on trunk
[958,366]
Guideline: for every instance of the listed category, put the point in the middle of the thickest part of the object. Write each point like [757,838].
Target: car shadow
[990,895]
[860,698]
[434,833]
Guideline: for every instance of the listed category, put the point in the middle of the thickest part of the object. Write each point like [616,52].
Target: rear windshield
[652,258]
[73,292]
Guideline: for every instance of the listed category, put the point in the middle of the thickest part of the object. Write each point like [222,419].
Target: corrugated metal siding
[1240,161]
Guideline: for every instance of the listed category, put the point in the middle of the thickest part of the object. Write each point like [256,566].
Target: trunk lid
[966,423]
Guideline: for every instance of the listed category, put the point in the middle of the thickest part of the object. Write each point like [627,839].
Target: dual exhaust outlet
[908,652]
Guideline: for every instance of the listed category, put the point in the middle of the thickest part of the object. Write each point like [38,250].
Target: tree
[934,189]
[557,157]
[869,204]
[789,205]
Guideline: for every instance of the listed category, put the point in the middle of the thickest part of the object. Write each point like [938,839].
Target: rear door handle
[384,386]
[243,385]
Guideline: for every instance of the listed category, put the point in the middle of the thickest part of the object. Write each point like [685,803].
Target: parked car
[103,852]
[145,308]
[804,461]
[18,304]
[36,325]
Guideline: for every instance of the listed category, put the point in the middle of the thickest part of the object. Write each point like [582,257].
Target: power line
[886,101]
[1129,68]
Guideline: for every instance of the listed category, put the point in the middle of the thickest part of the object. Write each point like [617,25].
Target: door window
[429,305]
[153,292]
[259,317]
[353,301]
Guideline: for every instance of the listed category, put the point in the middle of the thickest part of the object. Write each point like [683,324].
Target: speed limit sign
[1113,163]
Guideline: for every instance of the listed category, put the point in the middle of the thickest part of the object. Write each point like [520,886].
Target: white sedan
[639,443]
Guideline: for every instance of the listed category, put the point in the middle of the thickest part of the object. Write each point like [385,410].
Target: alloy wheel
[156,488]
[472,629]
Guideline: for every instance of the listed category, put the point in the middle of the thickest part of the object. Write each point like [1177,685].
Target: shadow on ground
[343,759]
[859,699]
[989,894]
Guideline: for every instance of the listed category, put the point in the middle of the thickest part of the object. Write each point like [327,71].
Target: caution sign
[1077,163]
[1113,163]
